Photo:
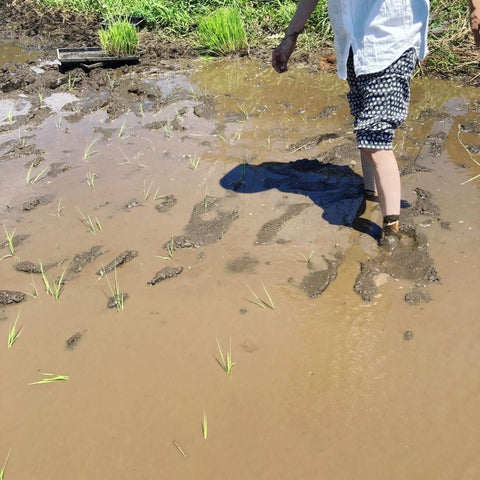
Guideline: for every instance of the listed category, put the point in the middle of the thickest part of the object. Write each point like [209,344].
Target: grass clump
[222,32]
[119,38]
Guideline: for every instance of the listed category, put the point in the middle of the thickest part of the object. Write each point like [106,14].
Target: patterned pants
[379,101]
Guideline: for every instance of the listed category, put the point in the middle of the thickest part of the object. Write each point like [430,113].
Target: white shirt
[377,31]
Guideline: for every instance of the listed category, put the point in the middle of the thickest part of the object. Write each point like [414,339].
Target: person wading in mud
[377,46]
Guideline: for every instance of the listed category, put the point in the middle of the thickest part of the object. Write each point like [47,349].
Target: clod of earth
[167,202]
[315,283]
[117,300]
[417,294]
[8,297]
[165,273]
[118,261]
[272,227]
[407,335]
[35,202]
[72,342]
[30,267]
[423,205]
[243,264]
[80,260]
[311,142]
[132,204]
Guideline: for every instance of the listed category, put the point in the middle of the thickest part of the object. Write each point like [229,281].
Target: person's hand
[475,24]
[281,54]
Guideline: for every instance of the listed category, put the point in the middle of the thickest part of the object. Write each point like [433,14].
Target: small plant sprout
[207,200]
[10,115]
[88,150]
[170,249]
[140,109]
[194,162]
[50,378]
[2,471]
[226,362]
[91,180]
[11,247]
[13,332]
[308,259]
[71,82]
[205,425]
[262,303]
[59,211]
[117,296]
[146,190]
[35,291]
[29,179]
[93,227]
[58,122]
[40,98]
[52,288]
[121,131]
[179,448]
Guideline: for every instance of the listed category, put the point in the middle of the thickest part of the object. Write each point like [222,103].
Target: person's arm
[281,54]
[475,20]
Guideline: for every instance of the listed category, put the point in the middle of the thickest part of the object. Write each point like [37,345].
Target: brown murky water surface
[361,364]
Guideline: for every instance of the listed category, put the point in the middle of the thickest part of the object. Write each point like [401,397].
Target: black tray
[74,57]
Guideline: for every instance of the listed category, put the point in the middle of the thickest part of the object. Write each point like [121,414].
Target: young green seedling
[54,289]
[13,333]
[146,190]
[2,471]
[262,303]
[117,295]
[59,209]
[194,162]
[226,362]
[50,378]
[10,245]
[93,227]
[170,249]
[91,180]
[88,150]
[35,179]
[205,425]
[308,259]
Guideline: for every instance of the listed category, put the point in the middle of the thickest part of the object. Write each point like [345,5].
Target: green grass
[13,332]
[226,363]
[119,38]
[50,378]
[222,32]
[2,471]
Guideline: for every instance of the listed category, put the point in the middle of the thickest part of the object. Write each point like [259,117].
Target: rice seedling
[146,190]
[207,200]
[88,150]
[52,288]
[2,471]
[170,249]
[140,109]
[308,259]
[221,32]
[10,115]
[59,211]
[11,247]
[58,122]
[119,38]
[179,448]
[111,81]
[117,296]
[35,291]
[13,332]
[29,179]
[226,363]
[262,303]
[91,180]
[71,82]
[121,131]
[40,98]
[205,425]
[194,162]
[50,378]
[93,227]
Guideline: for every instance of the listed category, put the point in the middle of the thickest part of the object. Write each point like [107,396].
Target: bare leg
[368,174]
[387,180]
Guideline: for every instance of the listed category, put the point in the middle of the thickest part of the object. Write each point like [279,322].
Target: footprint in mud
[316,282]
[409,259]
[208,224]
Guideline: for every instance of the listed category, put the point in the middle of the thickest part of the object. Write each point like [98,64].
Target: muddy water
[254,172]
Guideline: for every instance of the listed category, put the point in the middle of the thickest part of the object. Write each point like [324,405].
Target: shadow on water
[337,189]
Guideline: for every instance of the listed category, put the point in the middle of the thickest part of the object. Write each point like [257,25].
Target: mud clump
[8,297]
[30,267]
[117,301]
[316,282]
[72,342]
[408,260]
[80,260]
[424,204]
[118,261]
[37,201]
[208,224]
[243,264]
[165,273]
[418,294]
[310,142]
[168,201]
[272,227]
[407,335]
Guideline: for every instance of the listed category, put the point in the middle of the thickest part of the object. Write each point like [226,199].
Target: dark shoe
[390,236]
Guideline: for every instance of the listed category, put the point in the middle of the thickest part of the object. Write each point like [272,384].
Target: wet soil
[247,216]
